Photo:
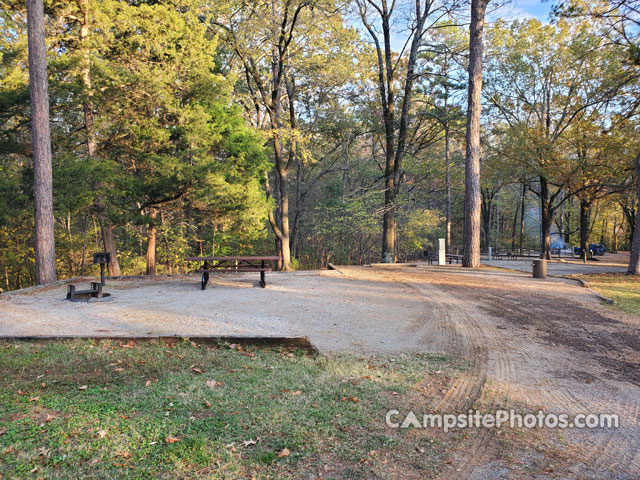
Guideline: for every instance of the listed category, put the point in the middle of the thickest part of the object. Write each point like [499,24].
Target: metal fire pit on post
[95,293]
[102,258]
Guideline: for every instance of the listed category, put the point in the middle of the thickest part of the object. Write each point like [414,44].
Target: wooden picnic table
[451,258]
[233,264]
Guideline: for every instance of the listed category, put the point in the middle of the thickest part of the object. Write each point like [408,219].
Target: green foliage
[184,138]
[421,231]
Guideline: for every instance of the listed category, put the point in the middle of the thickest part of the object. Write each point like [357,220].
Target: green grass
[623,289]
[327,412]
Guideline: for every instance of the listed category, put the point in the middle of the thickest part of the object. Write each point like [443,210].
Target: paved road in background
[560,268]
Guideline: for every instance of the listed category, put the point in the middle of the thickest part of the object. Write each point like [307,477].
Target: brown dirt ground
[533,344]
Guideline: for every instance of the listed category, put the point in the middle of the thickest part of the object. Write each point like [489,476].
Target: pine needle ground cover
[80,409]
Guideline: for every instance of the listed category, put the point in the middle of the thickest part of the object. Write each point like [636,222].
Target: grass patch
[78,409]
[623,289]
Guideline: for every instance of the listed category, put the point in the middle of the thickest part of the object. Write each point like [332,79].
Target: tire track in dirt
[520,356]
[610,449]
[467,339]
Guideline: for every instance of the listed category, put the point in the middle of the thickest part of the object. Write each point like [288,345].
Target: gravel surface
[336,312]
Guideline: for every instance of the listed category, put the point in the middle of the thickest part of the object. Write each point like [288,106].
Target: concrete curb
[333,267]
[291,342]
[586,285]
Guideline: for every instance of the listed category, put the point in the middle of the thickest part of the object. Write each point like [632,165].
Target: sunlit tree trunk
[45,256]
[546,217]
[585,211]
[634,260]
[522,209]
[151,244]
[447,235]
[472,194]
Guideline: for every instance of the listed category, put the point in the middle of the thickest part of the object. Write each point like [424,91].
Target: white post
[442,258]
[489,253]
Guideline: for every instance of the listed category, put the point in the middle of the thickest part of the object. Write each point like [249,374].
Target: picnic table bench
[233,264]
[451,258]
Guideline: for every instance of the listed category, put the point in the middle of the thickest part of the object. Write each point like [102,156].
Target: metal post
[489,253]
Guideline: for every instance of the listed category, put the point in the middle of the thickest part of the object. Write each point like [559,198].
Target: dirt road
[532,345]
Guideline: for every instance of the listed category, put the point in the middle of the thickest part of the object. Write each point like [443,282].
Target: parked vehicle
[561,248]
[594,249]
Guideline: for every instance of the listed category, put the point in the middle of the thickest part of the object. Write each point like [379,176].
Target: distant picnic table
[233,264]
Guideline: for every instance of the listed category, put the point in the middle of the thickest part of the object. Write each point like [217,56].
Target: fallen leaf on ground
[195,369]
[102,433]
[213,383]
[3,431]
[171,439]
[34,399]
[83,387]
[147,383]
[284,453]
[247,443]
[123,454]
[208,403]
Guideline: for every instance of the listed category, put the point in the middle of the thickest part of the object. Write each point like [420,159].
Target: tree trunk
[45,256]
[447,237]
[634,260]
[514,225]
[486,208]
[284,221]
[567,223]
[546,217]
[151,245]
[389,223]
[522,209]
[108,241]
[472,195]
[497,237]
[387,77]
[585,211]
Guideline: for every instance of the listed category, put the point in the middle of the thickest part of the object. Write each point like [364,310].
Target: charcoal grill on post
[95,293]
[102,258]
